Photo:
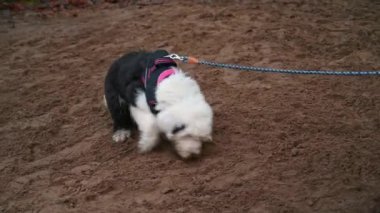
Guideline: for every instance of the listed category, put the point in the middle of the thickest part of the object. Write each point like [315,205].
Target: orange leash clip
[192,60]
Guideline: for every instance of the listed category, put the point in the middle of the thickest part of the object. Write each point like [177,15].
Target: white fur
[121,135]
[146,123]
[121,101]
[180,102]
[105,101]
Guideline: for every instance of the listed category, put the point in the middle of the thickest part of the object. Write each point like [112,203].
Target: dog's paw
[121,135]
[146,145]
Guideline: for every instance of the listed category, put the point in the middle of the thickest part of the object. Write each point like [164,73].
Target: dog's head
[188,125]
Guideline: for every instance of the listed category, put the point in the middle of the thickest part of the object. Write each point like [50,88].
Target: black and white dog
[147,89]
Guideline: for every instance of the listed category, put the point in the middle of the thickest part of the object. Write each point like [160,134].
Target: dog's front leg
[149,133]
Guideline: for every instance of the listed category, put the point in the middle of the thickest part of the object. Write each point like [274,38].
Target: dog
[148,90]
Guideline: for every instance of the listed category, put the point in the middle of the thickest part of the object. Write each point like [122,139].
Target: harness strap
[160,62]
[158,68]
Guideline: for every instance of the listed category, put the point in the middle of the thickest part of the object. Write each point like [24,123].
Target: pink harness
[163,75]
[158,71]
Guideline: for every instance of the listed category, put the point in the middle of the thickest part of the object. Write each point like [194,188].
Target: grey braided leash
[192,60]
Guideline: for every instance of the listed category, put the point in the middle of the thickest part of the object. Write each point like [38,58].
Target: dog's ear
[177,128]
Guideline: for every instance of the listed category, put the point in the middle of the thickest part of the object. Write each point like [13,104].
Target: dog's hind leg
[122,121]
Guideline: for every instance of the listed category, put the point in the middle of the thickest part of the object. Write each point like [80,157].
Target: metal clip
[175,57]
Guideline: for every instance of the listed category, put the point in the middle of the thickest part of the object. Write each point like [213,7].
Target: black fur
[122,80]
[178,128]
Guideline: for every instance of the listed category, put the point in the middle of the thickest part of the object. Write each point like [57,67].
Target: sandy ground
[283,143]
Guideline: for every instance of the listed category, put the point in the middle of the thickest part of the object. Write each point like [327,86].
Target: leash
[193,60]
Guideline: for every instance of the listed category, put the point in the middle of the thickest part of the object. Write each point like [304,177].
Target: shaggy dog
[148,90]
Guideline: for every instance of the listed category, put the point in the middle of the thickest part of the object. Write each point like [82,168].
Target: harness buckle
[175,57]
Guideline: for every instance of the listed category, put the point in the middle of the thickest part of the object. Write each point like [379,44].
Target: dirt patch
[283,143]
